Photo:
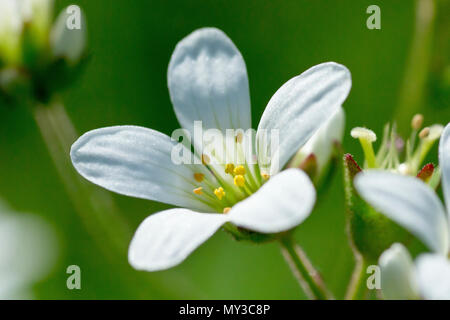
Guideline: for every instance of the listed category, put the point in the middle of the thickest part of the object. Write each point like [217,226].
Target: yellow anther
[229,168]
[239,137]
[424,133]
[199,177]
[265,176]
[219,193]
[198,191]
[226,210]
[205,159]
[417,121]
[239,170]
[239,180]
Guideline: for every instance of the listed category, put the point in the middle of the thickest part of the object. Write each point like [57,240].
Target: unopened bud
[68,36]
[417,121]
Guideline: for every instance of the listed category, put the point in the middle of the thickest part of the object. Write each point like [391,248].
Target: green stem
[357,288]
[413,88]
[308,278]
[369,154]
[94,206]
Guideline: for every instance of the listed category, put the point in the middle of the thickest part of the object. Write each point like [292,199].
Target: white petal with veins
[207,80]
[409,202]
[136,162]
[300,107]
[444,162]
[284,202]
[167,238]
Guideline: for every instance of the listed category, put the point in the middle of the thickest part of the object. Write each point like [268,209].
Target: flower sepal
[15,86]
[242,234]
[426,173]
[60,75]
[369,231]
[309,165]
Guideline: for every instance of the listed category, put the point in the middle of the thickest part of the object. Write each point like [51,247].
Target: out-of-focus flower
[415,206]
[366,224]
[68,43]
[410,202]
[10,30]
[18,17]
[402,279]
[207,80]
[28,252]
[36,58]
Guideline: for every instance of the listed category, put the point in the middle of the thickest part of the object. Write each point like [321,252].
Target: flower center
[235,169]
[394,154]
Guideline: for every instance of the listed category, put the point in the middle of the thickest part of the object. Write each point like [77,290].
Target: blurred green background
[125,83]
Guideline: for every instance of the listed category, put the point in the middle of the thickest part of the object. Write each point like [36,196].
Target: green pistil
[369,154]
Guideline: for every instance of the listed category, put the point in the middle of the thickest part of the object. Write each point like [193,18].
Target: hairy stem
[308,278]
[357,288]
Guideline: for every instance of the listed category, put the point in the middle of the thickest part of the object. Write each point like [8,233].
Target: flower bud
[68,36]
[365,224]
[397,274]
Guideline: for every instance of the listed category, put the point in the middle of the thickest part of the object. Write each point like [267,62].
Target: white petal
[10,20]
[28,251]
[68,43]
[433,276]
[166,238]
[321,143]
[398,274]
[207,80]
[136,162]
[279,205]
[301,106]
[409,202]
[444,162]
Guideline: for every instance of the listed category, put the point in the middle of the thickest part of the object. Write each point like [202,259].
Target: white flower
[27,253]
[401,278]
[414,205]
[207,80]
[68,43]
[10,29]
[13,15]
[321,143]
